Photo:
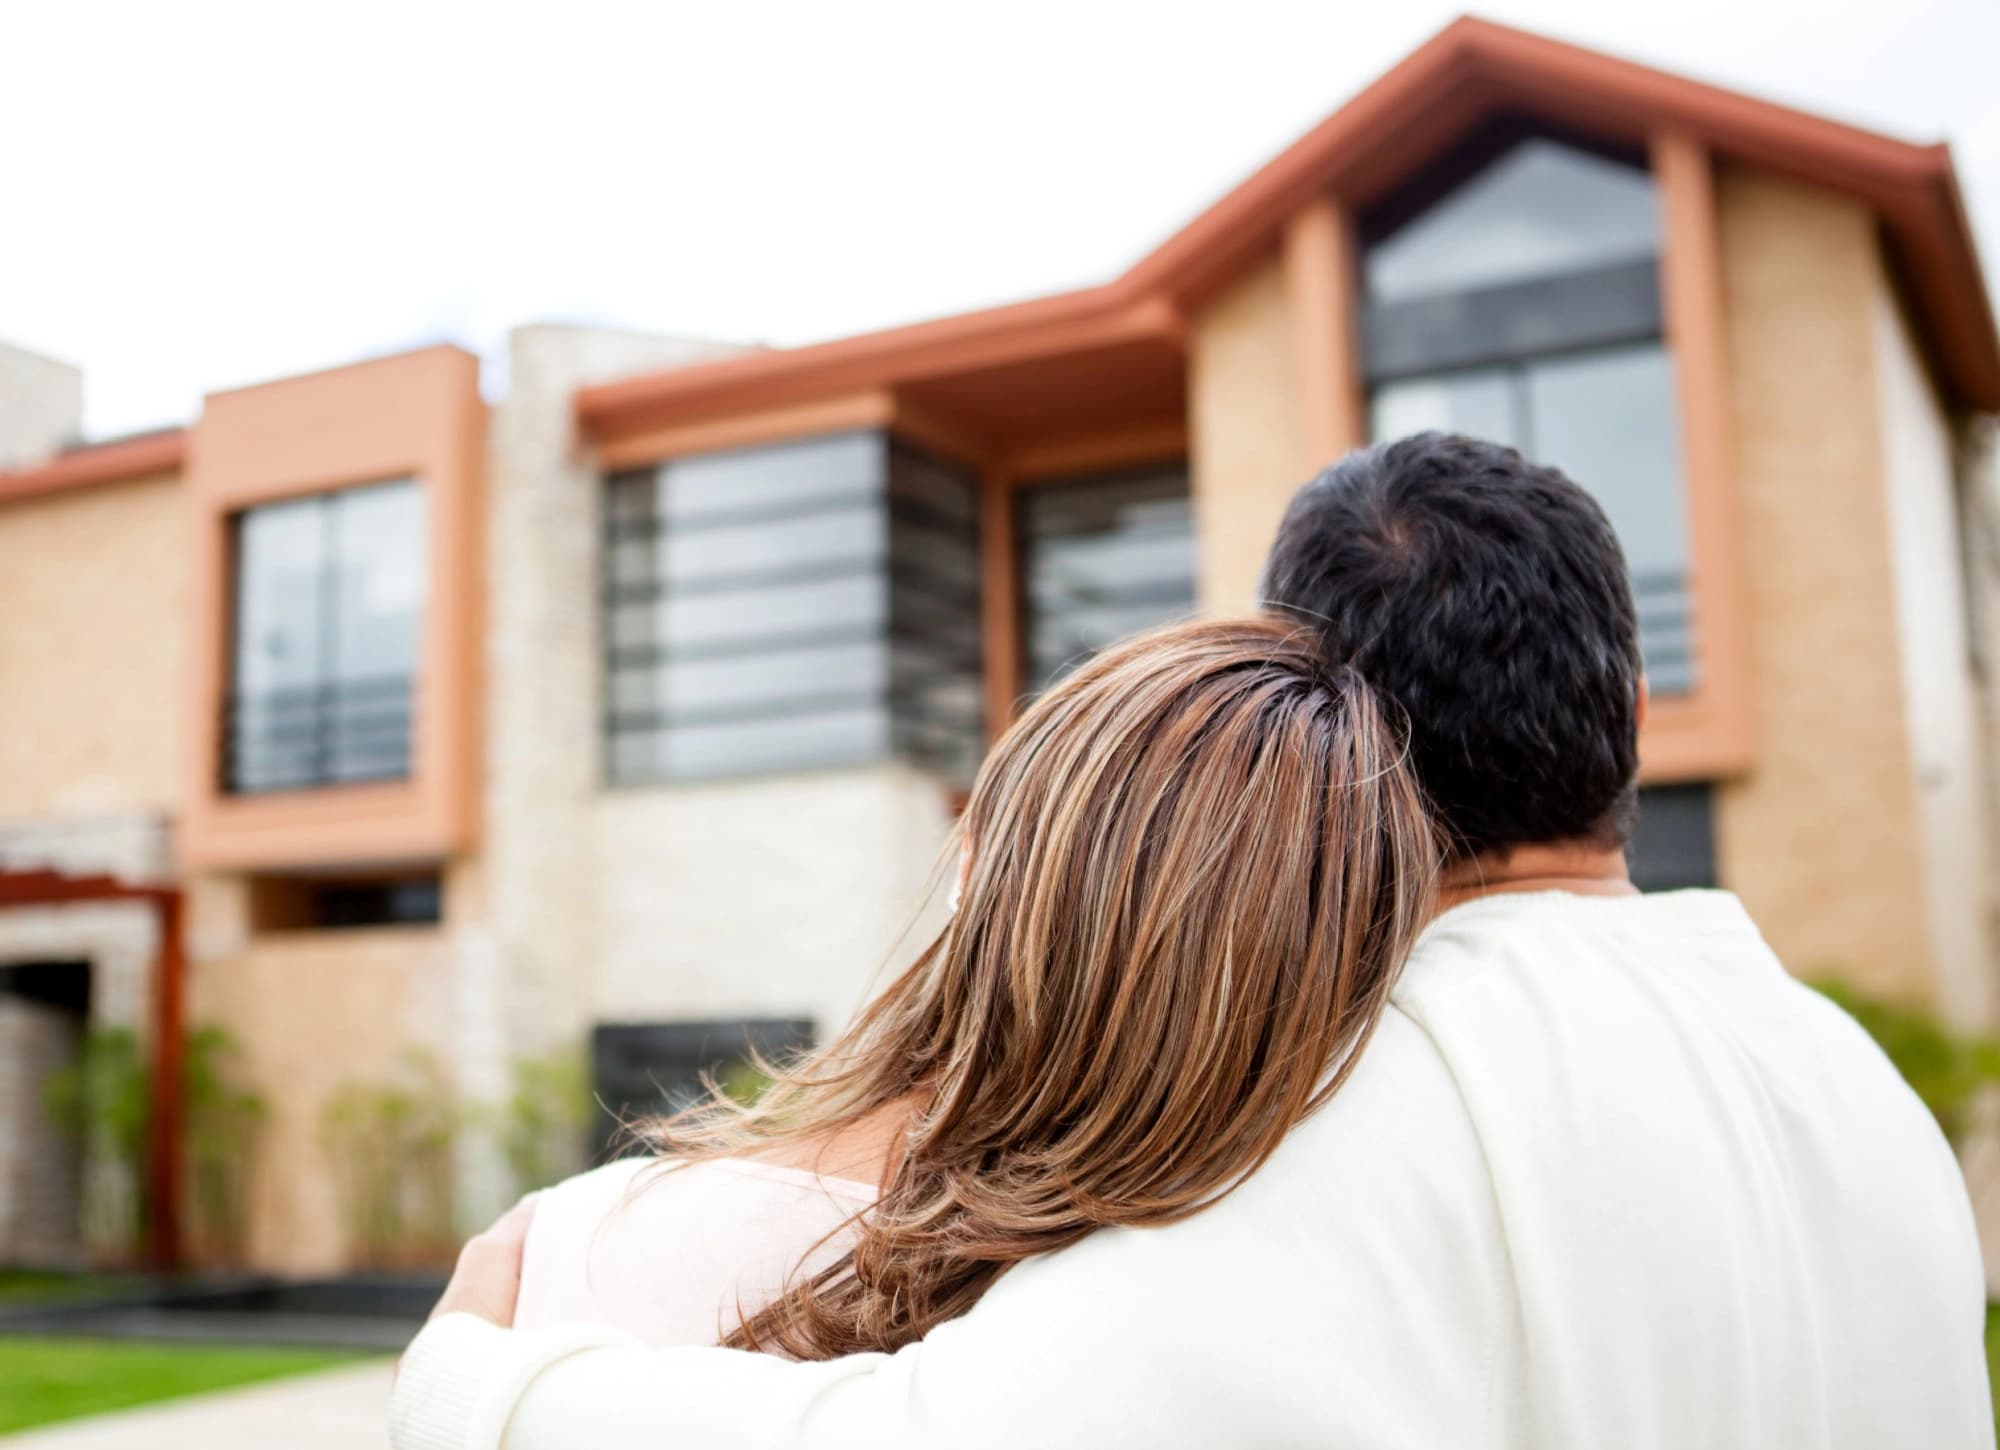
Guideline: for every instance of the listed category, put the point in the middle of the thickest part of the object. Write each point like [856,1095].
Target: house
[643,696]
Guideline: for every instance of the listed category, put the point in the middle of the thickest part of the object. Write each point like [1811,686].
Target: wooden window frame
[1709,732]
[1002,612]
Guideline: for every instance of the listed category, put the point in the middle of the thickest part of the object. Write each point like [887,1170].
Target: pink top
[674,1254]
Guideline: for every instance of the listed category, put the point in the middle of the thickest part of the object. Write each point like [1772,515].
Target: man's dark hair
[1488,597]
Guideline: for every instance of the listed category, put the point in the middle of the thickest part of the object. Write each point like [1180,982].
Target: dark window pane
[1674,846]
[642,1069]
[298,903]
[1540,209]
[937,703]
[1600,308]
[1103,558]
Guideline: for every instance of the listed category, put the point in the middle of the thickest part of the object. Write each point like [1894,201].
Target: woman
[1189,873]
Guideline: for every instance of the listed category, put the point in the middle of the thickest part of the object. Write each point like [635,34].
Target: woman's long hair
[1197,865]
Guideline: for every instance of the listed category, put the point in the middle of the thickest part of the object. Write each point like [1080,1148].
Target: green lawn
[58,1379]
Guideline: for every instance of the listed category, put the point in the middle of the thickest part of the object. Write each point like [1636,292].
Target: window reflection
[1606,419]
[1523,307]
[329,598]
[794,606]
[1101,559]
[1541,209]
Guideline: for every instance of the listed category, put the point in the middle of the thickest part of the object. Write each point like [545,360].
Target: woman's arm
[1346,1295]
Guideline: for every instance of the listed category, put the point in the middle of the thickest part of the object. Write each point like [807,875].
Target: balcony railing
[344,733]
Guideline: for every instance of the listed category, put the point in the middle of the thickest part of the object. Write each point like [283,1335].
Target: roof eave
[119,462]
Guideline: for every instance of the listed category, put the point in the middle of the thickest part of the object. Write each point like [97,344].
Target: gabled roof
[1470,71]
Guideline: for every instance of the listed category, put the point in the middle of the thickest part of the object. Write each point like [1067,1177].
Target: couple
[1299,1067]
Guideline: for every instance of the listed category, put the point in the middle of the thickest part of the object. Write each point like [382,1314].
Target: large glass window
[1514,295]
[1539,209]
[796,606]
[329,595]
[1102,558]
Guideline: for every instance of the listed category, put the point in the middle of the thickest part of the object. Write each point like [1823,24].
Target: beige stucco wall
[1246,431]
[311,1011]
[1822,839]
[92,583]
[772,896]
[544,759]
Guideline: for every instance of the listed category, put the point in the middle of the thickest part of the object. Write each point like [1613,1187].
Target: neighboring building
[646,695]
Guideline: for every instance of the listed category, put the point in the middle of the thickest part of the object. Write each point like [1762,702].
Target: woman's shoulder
[589,1194]
[598,1192]
[661,1248]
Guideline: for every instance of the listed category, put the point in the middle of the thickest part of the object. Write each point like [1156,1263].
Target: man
[1605,1176]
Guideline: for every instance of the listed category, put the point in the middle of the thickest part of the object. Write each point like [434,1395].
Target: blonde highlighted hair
[1196,866]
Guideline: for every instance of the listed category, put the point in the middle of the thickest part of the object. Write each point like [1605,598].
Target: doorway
[44,1011]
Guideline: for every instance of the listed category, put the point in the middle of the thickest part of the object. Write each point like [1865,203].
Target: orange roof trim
[128,458]
[1469,71]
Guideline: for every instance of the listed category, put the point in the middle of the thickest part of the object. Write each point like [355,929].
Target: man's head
[1487,596]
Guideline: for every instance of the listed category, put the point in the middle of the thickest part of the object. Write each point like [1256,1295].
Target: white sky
[195,196]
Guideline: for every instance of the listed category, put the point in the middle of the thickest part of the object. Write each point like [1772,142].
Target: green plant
[390,1146]
[99,1101]
[543,1120]
[48,1380]
[224,1124]
[1946,1069]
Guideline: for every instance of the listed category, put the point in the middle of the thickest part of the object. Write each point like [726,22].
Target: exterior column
[165,1159]
[1322,294]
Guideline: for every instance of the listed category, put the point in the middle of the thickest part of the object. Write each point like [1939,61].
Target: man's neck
[1576,867]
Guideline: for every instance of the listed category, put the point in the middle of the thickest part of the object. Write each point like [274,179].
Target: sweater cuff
[461,1377]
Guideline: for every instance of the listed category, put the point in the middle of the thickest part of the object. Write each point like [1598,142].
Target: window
[1537,210]
[1102,558]
[329,595]
[1674,845]
[639,1070]
[313,903]
[803,605]
[1522,305]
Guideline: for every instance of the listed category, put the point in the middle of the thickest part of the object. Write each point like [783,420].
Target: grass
[44,1380]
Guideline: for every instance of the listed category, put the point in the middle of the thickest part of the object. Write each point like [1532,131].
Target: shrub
[390,1146]
[224,1126]
[99,1101]
[544,1118]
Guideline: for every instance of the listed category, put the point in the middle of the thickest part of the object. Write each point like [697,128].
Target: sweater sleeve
[1349,1293]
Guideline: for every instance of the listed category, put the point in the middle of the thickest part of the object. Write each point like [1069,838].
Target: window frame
[895,577]
[1022,660]
[1003,595]
[322,699]
[1710,732]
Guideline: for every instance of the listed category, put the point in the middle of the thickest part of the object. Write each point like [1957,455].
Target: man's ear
[1645,700]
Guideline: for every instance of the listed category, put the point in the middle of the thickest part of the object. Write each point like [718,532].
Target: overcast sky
[195,196]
